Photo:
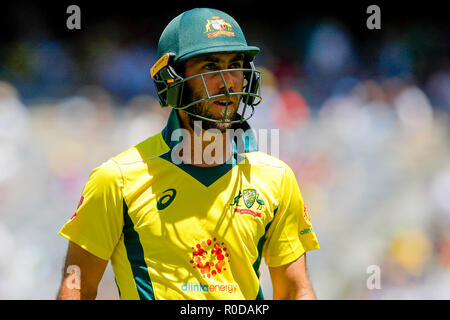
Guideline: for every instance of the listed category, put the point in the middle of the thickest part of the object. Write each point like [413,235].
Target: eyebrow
[212,58]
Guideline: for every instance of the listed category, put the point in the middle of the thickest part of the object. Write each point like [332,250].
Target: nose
[228,81]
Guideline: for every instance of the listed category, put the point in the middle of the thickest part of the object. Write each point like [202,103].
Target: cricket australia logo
[218,26]
[249,197]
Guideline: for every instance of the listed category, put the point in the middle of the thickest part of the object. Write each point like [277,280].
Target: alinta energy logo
[210,257]
[220,288]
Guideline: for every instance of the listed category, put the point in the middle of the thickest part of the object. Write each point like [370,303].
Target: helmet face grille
[171,92]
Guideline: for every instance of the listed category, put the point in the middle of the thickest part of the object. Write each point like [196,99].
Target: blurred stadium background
[363,117]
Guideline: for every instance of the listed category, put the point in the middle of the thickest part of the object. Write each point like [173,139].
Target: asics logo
[167,199]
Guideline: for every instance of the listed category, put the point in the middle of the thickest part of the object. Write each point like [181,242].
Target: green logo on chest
[167,199]
[249,197]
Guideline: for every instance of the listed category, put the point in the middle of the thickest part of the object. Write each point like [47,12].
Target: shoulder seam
[135,158]
[257,161]
[123,179]
[142,160]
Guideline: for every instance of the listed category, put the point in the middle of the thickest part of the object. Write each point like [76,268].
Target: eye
[236,65]
[209,66]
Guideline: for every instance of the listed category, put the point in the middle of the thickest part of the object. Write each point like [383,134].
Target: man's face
[215,108]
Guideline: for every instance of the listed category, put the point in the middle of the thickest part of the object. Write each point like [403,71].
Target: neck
[204,148]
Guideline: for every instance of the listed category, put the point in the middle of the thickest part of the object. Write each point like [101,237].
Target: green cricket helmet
[197,32]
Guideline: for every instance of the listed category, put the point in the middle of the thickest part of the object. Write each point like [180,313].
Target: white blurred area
[47,152]
[372,161]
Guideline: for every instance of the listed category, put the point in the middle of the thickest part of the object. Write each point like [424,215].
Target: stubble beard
[201,109]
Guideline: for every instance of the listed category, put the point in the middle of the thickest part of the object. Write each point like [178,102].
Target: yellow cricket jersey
[177,231]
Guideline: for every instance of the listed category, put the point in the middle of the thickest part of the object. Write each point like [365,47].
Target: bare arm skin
[291,282]
[85,273]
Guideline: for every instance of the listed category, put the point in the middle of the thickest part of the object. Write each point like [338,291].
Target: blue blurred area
[364,123]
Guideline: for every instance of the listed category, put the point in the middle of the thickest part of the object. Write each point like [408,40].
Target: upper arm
[290,281]
[93,231]
[290,233]
[82,274]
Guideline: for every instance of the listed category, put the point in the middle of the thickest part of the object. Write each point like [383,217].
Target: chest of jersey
[206,235]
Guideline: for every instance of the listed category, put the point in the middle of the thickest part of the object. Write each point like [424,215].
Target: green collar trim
[173,123]
[245,140]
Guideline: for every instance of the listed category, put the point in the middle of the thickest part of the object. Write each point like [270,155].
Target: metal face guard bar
[250,95]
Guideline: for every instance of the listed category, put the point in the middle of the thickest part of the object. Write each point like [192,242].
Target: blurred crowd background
[364,119]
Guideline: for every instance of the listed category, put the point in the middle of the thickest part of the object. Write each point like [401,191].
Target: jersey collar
[208,175]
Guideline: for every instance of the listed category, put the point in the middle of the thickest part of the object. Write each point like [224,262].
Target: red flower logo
[305,214]
[79,204]
[209,258]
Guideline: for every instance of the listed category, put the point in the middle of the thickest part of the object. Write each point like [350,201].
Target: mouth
[223,103]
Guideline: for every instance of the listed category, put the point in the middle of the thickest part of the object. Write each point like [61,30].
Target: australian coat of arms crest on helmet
[218,26]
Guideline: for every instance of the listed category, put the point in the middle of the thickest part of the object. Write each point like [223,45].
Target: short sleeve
[290,233]
[97,225]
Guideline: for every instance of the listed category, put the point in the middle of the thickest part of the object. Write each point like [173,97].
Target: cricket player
[177,218]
